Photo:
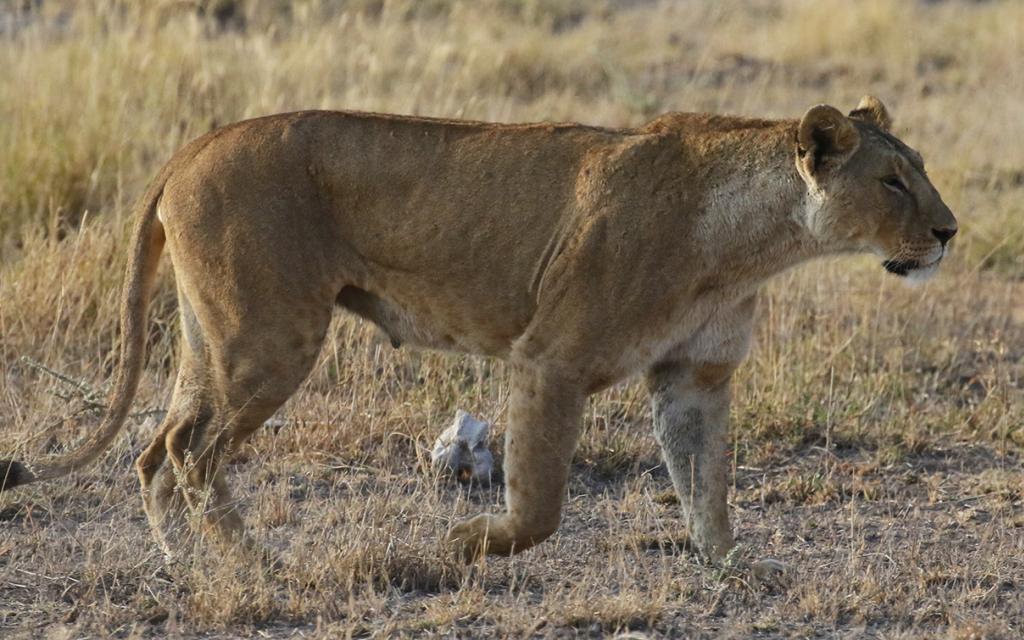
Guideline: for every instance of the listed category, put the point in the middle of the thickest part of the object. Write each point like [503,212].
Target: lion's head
[870,191]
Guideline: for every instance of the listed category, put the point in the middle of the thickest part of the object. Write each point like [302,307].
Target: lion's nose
[944,234]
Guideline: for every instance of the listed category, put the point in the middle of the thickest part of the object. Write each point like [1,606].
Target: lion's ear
[825,139]
[870,109]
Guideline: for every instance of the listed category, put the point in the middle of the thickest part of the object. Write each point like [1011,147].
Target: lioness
[581,255]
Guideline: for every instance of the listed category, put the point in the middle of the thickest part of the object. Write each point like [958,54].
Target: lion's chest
[714,328]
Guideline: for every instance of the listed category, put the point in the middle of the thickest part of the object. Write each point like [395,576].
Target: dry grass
[878,430]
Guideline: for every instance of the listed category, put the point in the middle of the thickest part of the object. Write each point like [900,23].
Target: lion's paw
[469,538]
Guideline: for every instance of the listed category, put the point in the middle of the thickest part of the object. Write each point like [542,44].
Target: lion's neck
[754,213]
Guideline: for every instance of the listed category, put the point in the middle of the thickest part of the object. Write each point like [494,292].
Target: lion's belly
[436,317]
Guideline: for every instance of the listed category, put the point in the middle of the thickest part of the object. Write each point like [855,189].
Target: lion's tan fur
[581,255]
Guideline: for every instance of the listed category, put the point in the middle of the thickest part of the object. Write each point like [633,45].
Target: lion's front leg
[691,411]
[543,428]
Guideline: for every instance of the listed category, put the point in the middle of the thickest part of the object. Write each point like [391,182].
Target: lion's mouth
[901,267]
[906,267]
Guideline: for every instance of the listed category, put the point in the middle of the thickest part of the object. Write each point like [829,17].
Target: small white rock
[461,449]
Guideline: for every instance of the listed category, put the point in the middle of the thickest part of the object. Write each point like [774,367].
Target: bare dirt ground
[878,430]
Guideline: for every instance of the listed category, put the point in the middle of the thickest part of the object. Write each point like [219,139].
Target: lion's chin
[923,274]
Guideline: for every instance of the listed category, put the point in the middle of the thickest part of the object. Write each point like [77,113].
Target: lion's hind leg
[225,391]
[190,409]
[254,372]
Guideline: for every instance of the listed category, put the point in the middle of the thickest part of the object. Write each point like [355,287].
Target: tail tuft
[13,474]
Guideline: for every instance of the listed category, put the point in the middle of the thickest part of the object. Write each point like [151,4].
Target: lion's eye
[894,183]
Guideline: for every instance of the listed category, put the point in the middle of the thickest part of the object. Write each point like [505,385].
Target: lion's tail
[147,245]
